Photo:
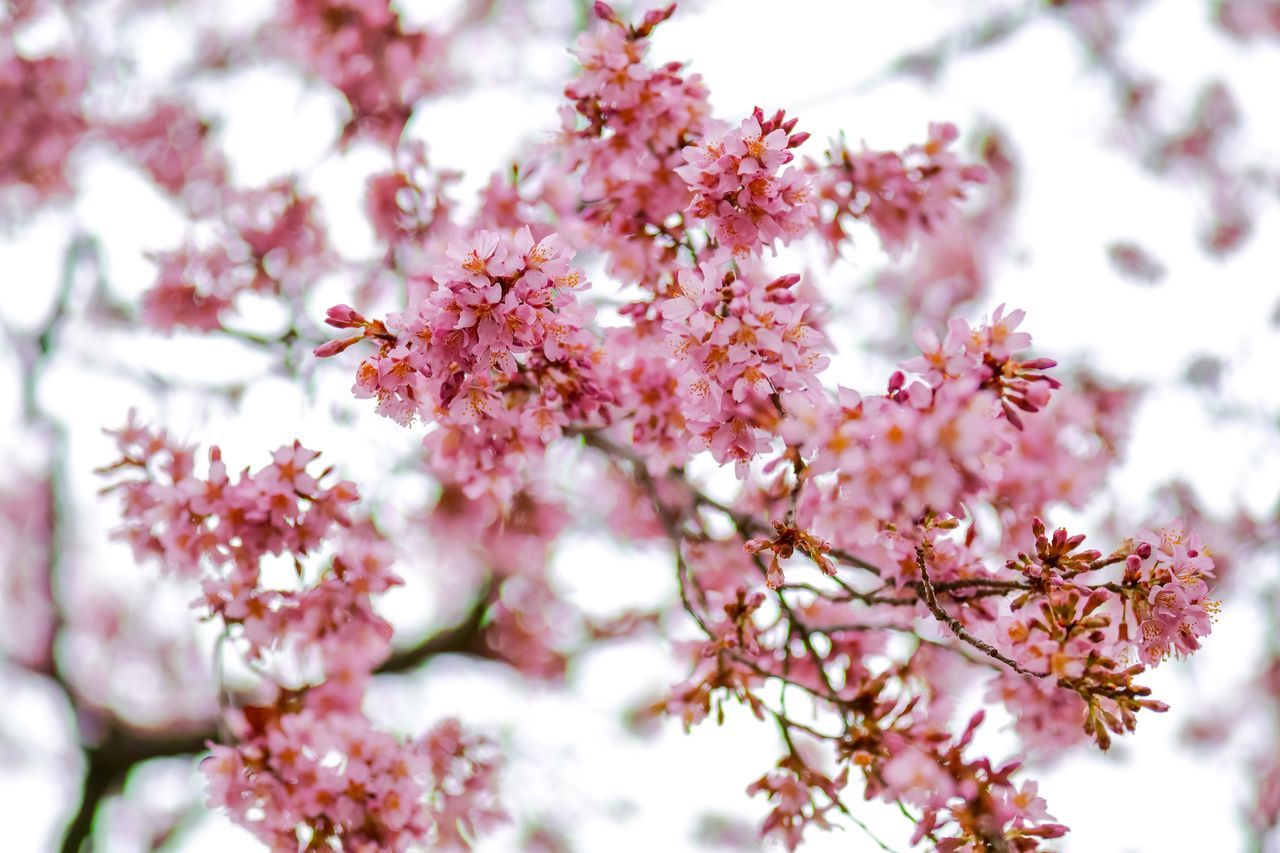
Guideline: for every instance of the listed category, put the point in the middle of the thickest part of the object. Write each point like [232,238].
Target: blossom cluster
[739,343]
[985,356]
[903,196]
[41,101]
[360,48]
[171,143]
[927,445]
[497,350]
[738,189]
[966,804]
[218,528]
[270,242]
[308,767]
[1082,634]
[1169,574]
[304,772]
[625,135]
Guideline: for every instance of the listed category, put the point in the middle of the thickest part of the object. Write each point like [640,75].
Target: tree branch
[930,599]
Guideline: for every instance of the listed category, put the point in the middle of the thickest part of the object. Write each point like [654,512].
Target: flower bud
[344,317]
[331,348]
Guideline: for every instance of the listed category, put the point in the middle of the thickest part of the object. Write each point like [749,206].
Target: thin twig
[931,601]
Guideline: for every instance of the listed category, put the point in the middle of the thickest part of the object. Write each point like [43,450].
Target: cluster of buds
[642,30]
[1056,558]
[346,317]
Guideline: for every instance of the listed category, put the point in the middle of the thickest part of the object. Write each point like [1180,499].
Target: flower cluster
[903,195]
[497,350]
[40,100]
[624,136]
[218,529]
[725,663]
[1079,633]
[1168,593]
[985,356]
[647,389]
[740,341]
[802,796]
[966,804]
[360,48]
[305,773]
[738,189]
[309,767]
[171,143]
[879,465]
[895,457]
[271,242]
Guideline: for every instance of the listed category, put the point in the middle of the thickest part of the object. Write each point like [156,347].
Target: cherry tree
[376,401]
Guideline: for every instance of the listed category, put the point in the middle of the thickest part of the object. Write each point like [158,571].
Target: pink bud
[1096,599]
[783,281]
[344,317]
[654,17]
[332,348]
[1009,413]
[1023,403]
[605,12]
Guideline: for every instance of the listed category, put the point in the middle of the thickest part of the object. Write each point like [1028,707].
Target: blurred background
[1137,146]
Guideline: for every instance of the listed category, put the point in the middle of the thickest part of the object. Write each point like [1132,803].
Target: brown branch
[743,522]
[930,599]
